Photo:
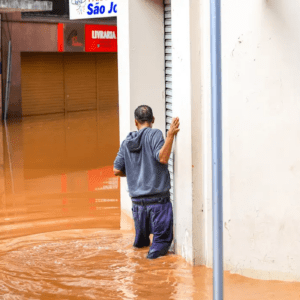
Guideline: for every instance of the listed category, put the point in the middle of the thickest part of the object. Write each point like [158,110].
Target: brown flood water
[59,222]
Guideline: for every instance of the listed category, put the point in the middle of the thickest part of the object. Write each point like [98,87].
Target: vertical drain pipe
[216,129]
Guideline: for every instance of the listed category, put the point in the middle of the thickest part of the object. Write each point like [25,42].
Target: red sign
[100,38]
[60,37]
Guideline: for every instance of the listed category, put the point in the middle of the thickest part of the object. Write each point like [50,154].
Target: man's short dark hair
[143,114]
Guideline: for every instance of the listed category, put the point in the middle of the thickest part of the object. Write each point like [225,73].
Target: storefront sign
[74,37]
[88,9]
[100,38]
[60,37]
[70,37]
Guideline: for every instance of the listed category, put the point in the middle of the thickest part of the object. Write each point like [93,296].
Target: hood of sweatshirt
[134,140]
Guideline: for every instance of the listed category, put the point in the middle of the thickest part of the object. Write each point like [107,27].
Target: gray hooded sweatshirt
[138,158]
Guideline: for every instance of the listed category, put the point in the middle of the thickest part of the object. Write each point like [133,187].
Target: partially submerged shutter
[107,78]
[67,82]
[42,83]
[80,81]
[168,80]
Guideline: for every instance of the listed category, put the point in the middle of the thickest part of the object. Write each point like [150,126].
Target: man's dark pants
[156,218]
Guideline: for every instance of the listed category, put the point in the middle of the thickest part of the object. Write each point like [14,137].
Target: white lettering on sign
[99,34]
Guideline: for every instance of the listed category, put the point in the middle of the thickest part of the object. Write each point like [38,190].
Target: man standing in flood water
[143,159]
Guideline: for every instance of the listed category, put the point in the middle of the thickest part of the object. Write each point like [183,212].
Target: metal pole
[8,79]
[216,126]
[9,157]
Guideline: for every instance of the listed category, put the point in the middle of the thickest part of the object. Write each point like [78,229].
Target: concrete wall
[29,34]
[32,37]
[261,165]
[190,85]
[141,70]
[14,5]
[182,107]
[141,80]
[202,149]
[262,128]
[261,169]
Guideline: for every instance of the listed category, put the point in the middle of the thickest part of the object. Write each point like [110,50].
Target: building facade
[164,62]
[59,65]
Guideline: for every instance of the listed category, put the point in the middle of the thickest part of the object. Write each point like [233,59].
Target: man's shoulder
[157,134]
[156,131]
[153,134]
[150,132]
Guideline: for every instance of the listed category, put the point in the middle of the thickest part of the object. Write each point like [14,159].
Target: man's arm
[166,149]
[119,173]
[119,163]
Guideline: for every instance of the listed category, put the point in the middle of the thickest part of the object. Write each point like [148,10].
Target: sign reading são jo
[88,9]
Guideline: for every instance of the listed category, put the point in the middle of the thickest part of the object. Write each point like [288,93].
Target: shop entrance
[66,82]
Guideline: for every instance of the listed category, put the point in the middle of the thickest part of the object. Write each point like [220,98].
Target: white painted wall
[182,105]
[141,70]
[261,102]
[141,63]
[205,256]
[188,96]
[261,125]
[261,136]
[141,81]
[198,232]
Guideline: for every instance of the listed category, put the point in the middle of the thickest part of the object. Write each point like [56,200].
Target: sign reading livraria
[100,38]
[88,9]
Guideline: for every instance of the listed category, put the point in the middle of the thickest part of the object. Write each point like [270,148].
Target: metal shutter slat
[168,106]
[169,102]
[169,92]
[169,78]
[169,64]
[168,82]
[169,120]
[168,15]
[168,43]
[168,57]
[168,29]
[169,85]
[169,113]
[168,36]
[169,71]
[167,7]
[168,50]
[168,22]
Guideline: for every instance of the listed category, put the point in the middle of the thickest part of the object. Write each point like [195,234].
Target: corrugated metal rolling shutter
[57,83]
[168,80]
[80,81]
[42,83]
[107,78]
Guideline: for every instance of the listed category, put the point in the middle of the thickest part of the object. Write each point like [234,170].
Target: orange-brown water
[59,222]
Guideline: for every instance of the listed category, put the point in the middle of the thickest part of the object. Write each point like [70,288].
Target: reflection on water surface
[60,215]
[58,174]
